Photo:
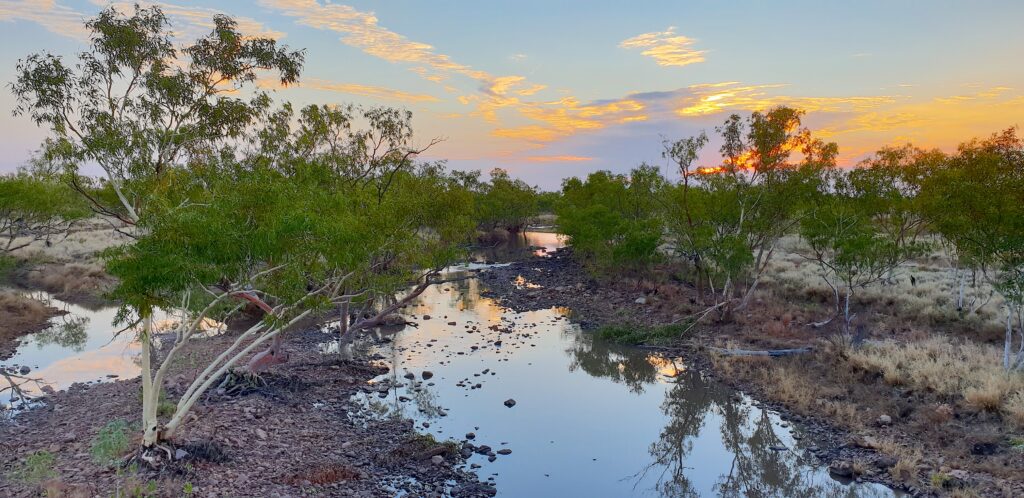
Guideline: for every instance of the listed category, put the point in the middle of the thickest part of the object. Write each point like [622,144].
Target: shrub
[36,468]
[110,443]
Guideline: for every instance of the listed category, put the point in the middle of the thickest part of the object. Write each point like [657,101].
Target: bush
[36,468]
[110,443]
[636,334]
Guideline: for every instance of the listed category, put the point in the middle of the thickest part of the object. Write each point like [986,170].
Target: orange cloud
[666,47]
[557,159]
[710,98]
[567,116]
[378,92]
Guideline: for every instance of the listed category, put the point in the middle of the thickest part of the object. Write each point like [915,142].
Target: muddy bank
[864,428]
[22,315]
[291,437]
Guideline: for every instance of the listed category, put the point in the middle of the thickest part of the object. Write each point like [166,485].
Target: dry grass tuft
[74,282]
[907,460]
[956,369]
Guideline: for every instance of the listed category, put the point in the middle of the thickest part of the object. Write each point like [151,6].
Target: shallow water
[80,346]
[590,418]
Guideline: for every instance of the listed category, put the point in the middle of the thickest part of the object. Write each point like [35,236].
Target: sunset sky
[550,89]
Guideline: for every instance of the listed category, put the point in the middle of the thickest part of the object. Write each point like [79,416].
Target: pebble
[510,402]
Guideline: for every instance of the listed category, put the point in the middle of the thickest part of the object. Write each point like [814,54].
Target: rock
[504,451]
[510,402]
[491,458]
[452,323]
[409,375]
[437,459]
[841,468]
[778,447]
[884,420]
[260,433]
[24,370]
[641,300]
[470,435]
[483,449]
[886,462]
[427,374]
[180,454]
[426,317]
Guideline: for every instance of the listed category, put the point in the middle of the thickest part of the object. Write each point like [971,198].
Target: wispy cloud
[189,22]
[193,22]
[666,47]
[56,18]
[557,159]
[702,99]
[377,92]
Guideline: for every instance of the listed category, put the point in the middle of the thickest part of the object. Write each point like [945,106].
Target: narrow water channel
[590,418]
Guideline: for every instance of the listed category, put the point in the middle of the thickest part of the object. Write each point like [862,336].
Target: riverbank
[293,436]
[868,428]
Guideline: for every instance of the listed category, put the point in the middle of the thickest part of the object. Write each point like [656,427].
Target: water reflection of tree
[69,332]
[746,432]
[620,364]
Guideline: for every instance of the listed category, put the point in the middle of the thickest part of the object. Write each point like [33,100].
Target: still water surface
[590,418]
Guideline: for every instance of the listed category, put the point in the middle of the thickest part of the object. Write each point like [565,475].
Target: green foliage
[34,208]
[850,236]
[37,467]
[726,220]
[137,105]
[110,443]
[636,334]
[613,221]
[501,202]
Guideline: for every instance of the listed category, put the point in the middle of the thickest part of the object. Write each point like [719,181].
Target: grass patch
[36,468]
[110,443]
[955,369]
[637,334]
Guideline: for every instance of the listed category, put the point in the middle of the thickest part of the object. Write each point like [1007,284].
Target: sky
[552,89]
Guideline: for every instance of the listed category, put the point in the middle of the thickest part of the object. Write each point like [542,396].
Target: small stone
[841,469]
[427,374]
[260,433]
[641,300]
[504,451]
[437,459]
[180,454]
[24,370]
[884,420]
[510,402]
[409,375]
[426,317]
[470,435]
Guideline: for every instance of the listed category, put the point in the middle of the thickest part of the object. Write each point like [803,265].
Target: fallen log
[768,352]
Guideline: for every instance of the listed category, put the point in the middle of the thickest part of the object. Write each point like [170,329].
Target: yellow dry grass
[952,368]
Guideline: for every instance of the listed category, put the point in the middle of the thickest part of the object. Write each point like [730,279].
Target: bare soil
[961,450]
[291,437]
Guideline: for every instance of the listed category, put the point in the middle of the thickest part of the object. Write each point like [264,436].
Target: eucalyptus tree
[976,202]
[851,239]
[34,208]
[137,105]
[728,219]
[297,238]
[613,221]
